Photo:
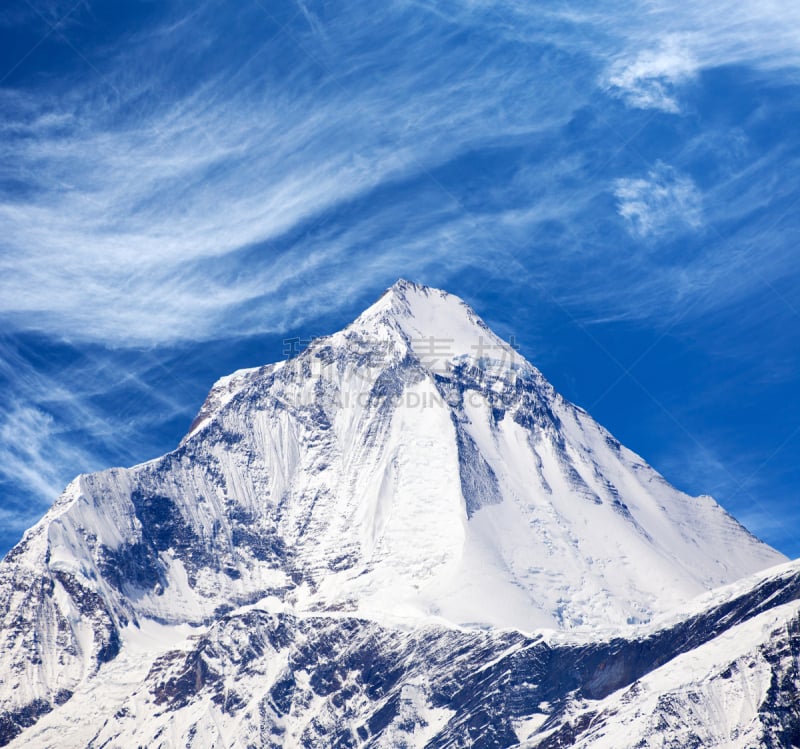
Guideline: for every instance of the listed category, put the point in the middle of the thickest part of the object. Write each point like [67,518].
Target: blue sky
[184,185]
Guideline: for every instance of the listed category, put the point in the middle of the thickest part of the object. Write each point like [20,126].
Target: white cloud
[648,48]
[137,233]
[662,45]
[53,424]
[662,202]
[649,81]
[151,219]
[30,453]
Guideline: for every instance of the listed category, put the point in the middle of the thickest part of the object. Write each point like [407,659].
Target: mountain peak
[419,464]
[403,285]
[403,297]
[399,471]
[435,324]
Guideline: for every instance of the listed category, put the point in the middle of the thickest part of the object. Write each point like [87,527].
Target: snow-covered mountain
[402,535]
[723,673]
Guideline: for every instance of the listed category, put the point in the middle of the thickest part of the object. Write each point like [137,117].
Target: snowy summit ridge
[411,470]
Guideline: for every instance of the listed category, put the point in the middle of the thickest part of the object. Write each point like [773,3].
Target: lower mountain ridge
[402,537]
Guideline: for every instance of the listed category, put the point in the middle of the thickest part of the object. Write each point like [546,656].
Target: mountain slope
[409,469]
[723,673]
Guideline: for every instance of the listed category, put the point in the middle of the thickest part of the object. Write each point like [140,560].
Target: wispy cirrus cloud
[663,201]
[134,217]
[133,229]
[663,47]
[217,171]
[649,49]
[649,81]
[32,453]
[69,412]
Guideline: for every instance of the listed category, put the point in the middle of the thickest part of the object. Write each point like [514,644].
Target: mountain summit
[440,473]
[411,470]
[415,464]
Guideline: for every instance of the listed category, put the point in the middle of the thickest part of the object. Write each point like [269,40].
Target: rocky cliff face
[357,546]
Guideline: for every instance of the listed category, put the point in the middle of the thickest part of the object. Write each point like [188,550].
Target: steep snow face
[417,465]
[409,467]
[476,493]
